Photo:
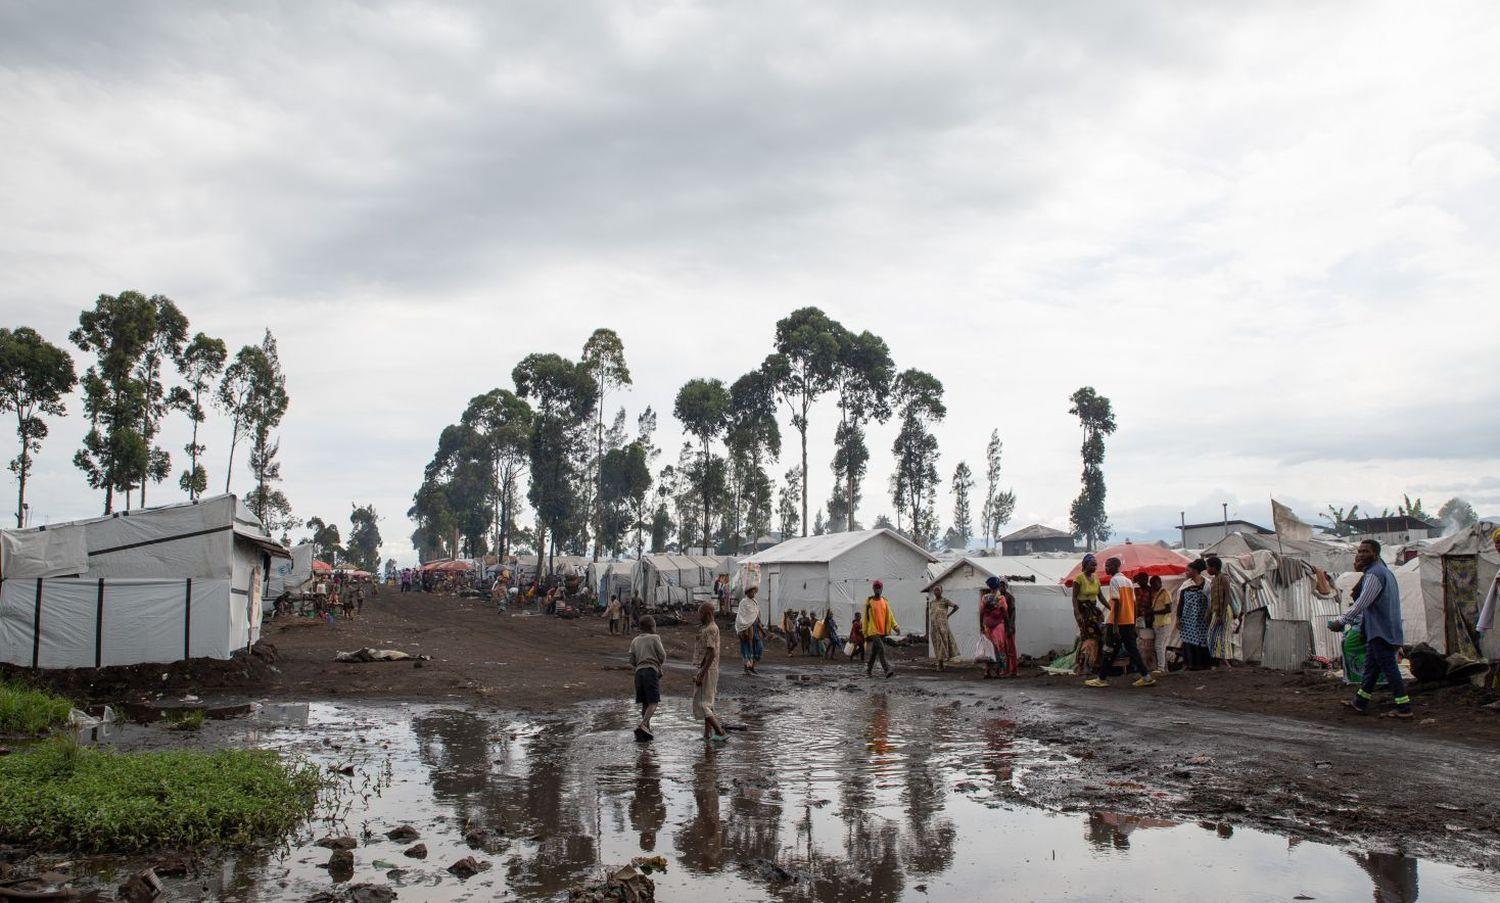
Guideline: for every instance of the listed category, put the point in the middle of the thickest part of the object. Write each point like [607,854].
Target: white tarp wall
[288,574]
[87,623]
[130,602]
[901,568]
[1044,609]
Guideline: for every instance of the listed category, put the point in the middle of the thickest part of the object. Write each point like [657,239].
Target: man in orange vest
[878,624]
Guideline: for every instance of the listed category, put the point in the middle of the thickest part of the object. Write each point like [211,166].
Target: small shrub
[24,710]
[185,720]
[63,796]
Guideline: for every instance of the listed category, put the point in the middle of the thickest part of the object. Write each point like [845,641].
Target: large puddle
[825,796]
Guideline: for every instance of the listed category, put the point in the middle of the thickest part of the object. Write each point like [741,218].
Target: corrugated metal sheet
[1287,644]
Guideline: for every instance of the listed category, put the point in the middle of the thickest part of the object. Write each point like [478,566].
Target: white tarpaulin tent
[289,574]
[155,585]
[1044,607]
[835,570]
[1455,573]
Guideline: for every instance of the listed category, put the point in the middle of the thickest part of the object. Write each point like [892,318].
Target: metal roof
[816,549]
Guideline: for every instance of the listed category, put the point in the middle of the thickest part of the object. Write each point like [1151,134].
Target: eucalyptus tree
[703,407]
[626,488]
[325,539]
[564,396]
[117,330]
[202,362]
[35,378]
[1096,415]
[862,377]
[265,405]
[169,331]
[963,513]
[751,437]
[789,503]
[364,538]
[999,504]
[499,427]
[604,360]
[802,369]
[918,397]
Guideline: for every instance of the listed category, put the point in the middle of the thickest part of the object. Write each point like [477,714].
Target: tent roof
[1468,541]
[825,548]
[1036,531]
[1045,570]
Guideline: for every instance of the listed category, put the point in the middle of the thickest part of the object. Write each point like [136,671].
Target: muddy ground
[1242,747]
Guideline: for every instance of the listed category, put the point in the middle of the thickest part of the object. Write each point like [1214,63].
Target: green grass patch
[61,795]
[24,710]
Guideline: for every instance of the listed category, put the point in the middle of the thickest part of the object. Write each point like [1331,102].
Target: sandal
[1400,715]
[1358,710]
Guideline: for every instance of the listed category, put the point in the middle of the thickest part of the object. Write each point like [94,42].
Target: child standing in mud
[647,657]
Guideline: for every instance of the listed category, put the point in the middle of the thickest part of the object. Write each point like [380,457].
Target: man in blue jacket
[1378,613]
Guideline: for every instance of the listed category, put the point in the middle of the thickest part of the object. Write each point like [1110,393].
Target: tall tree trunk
[193,479]
[802,430]
[598,470]
[705,497]
[21,474]
[109,498]
[234,441]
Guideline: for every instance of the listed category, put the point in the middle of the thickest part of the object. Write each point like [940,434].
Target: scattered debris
[416,852]
[371,654]
[403,834]
[649,864]
[468,867]
[623,885]
[337,843]
[142,887]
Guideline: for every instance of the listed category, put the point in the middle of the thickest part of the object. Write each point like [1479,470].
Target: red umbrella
[1136,558]
[322,567]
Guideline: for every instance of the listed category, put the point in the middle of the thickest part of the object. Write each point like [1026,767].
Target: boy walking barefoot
[647,656]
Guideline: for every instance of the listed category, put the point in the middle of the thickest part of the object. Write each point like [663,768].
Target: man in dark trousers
[1377,611]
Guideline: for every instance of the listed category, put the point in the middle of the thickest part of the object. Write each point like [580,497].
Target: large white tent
[154,585]
[664,580]
[1044,607]
[1455,573]
[834,571]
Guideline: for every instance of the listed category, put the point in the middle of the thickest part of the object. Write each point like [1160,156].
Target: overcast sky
[1268,232]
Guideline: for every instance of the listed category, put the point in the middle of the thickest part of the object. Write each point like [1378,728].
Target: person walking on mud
[1007,643]
[879,623]
[612,613]
[1121,627]
[748,628]
[1378,613]
[647,656]
[706,675]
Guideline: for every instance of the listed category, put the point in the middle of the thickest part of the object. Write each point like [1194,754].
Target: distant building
[1201,536]
[1037,538]
[1393,530]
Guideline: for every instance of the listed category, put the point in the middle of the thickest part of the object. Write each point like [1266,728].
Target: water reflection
[826,797]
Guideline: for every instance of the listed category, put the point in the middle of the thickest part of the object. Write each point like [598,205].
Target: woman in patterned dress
[1192,617]
[944,647]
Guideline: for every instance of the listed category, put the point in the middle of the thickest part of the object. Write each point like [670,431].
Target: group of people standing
[995,648]
[1137,617]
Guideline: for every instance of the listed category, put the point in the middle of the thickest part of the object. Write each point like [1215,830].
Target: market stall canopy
[1136,558]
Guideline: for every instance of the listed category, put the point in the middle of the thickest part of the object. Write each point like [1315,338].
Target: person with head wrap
[1087,614]
[991,625]
[1005,640]
[878,623]
[939,634]
[1492,598]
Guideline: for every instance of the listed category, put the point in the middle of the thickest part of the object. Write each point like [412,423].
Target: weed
[63,796]
[24,710]
[185,720]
